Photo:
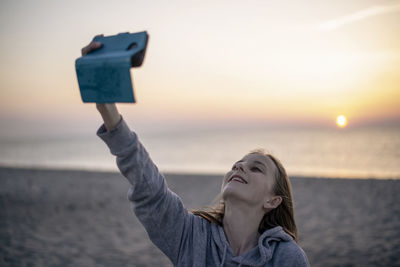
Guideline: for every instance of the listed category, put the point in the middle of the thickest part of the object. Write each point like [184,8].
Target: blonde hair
[283,215]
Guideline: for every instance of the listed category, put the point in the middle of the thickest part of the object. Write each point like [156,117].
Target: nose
[239,166]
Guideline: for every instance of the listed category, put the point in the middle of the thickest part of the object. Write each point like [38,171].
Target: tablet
[104,74]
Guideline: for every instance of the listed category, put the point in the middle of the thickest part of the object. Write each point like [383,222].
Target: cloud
[359,15]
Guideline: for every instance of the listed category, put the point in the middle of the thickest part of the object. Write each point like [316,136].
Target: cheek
[263,188]
[225,180]
[259,192]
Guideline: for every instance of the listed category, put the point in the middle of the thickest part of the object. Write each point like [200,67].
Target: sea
[363,152]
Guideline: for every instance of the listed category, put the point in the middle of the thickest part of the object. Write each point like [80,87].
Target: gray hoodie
[186,239]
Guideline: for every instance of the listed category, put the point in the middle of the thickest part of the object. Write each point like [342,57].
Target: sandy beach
[81,218]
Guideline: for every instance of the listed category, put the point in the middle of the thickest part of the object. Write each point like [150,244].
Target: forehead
[260,159]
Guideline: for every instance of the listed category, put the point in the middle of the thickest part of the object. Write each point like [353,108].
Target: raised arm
[167,222]
[161,211]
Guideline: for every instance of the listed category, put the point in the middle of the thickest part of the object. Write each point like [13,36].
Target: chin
[231,192]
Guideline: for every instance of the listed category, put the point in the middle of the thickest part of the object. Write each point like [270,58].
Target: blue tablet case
[104,74]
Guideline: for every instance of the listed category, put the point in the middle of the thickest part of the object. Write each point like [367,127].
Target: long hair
[283,215]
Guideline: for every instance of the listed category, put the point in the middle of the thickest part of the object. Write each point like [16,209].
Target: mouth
[237,178]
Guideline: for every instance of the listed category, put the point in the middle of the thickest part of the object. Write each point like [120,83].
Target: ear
[273,203]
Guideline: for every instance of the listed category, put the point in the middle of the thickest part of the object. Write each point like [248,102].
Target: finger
[95,45]
[90,47]
[85,50]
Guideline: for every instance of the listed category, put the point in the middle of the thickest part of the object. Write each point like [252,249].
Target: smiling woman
[255,225]
[265,181]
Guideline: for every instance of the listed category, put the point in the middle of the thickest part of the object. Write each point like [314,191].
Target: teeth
[238,179]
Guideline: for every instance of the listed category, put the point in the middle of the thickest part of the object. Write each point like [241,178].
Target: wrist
[110,115]
[106,107]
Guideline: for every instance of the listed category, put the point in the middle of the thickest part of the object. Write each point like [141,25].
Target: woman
[252,225]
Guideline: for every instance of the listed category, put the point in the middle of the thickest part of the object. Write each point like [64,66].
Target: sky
[207,62]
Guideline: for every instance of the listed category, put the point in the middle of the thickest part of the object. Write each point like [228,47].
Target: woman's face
[251,180]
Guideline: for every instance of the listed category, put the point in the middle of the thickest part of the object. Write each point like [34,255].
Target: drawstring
[223,257]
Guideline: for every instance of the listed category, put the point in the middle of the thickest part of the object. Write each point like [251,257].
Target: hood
[257,256]
[267,243]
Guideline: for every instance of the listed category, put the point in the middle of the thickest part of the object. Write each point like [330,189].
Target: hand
[91,47]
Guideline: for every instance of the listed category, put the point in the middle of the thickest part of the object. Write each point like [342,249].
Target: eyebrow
[261,163]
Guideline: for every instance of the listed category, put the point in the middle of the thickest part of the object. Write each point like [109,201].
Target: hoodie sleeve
[160,210]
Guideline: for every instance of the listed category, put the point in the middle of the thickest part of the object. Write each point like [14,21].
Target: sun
[341,121]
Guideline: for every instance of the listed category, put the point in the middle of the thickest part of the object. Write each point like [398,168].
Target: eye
[255,169]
